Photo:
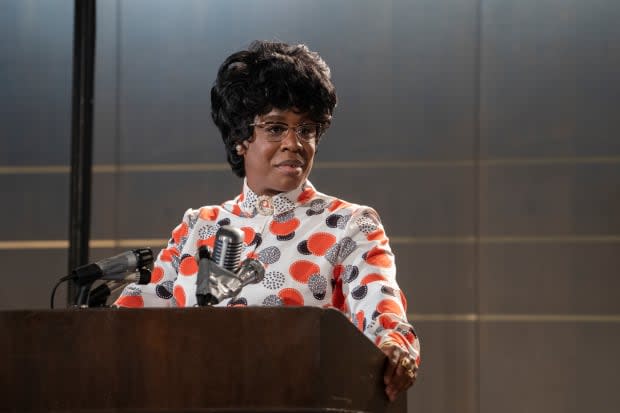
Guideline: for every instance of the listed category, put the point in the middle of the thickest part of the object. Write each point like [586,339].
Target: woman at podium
[272,104]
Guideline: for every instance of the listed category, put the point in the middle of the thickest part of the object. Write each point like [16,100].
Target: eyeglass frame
[320,125]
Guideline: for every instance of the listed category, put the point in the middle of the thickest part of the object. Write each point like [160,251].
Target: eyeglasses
[277,131]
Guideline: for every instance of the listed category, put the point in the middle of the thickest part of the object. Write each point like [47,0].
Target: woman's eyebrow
[276,118]
[273,118]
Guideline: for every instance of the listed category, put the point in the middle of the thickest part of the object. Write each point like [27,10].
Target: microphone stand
[82,296]
[210,288]
[214,283]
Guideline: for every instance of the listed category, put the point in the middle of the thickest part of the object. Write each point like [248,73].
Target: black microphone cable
[63,279]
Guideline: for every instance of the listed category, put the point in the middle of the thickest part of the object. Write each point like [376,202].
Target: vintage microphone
[222,275]
[224,262]
[112,268]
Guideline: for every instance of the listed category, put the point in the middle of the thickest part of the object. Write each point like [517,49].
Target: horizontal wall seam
[96,243]
[556,239]
[527,318]
[160,242]
[217,166]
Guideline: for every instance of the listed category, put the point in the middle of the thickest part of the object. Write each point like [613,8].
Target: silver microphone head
[228,247]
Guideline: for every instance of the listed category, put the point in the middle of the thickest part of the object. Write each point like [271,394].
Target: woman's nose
[291,140]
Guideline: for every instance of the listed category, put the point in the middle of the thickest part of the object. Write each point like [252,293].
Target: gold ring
[409,367]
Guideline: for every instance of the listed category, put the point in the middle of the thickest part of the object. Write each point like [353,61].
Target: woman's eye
[275,129]
[307,130]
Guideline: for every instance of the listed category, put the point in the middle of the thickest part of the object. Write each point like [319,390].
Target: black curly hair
[266,76]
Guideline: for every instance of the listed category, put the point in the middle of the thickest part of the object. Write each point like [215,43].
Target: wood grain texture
[175,360]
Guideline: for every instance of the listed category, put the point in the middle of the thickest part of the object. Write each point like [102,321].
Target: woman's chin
[277,183]
[289,184]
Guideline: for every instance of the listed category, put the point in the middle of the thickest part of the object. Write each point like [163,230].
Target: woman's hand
[400,371]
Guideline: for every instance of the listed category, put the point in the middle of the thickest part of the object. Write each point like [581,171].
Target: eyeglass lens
[277,131]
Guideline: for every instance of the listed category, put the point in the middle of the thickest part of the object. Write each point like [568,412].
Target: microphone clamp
[215,283]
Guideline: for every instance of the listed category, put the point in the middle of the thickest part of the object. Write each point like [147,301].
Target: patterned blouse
[317,250]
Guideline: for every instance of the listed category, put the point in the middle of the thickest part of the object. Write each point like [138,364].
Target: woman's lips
[290,167]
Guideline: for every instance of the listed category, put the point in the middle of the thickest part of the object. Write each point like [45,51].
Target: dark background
[485,132]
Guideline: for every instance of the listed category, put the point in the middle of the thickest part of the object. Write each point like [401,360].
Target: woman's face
[274,167]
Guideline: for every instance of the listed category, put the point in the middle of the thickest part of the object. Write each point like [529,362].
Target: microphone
[223,275]
[99,296]
[113,268]
[142,276]
[228,246]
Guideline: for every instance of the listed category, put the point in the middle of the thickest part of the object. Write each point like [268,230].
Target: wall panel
[35,206]
[568,199]
[437,278]
[35,75]
[548,367]
[29,276]
[550,278]
[447,381]
[549,78]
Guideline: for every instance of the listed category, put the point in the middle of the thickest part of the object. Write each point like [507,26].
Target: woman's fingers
[393,356]
[400,371]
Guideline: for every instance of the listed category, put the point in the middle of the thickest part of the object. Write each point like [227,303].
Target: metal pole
[81,135]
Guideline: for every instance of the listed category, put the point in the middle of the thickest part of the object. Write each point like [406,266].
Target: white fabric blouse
[317,251]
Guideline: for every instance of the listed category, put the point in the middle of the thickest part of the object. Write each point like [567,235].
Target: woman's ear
[241,148]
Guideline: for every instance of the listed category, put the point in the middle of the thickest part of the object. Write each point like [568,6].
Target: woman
[272,103]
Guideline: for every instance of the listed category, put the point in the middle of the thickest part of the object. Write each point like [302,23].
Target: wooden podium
[296,359]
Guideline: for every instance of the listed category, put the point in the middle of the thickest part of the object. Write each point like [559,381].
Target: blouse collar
[252,204]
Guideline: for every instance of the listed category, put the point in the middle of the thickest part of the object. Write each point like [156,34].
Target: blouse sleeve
[158,293]
[373,298]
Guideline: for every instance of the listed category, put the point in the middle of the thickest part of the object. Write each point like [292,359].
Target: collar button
[264,205]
